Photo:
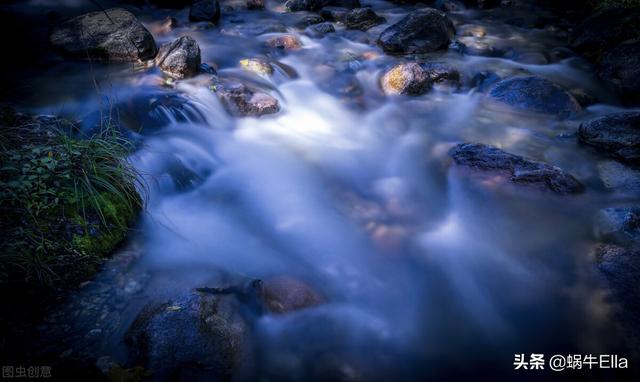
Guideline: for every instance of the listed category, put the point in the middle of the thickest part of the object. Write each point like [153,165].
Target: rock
[362,19]
[621,67]
[111,35]
[484,80]
[309,20]
[514,168]
[621,268]
[319,30]
[604,30]
[535,94]
[205,10]
[617,134]
[180,58]
[619,178]
[335,14]
[303,5]
[349,4]
[257,65]
[205,336]
[406,79]
[442,73]
[165,26]
[255,4]
[285,42]
[488,4]
[286,294]
[243,101]
[423,31]
[619,224]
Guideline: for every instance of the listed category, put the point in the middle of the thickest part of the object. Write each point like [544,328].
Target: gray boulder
[535,94]
[514,168]
[422,31]
[617,134]
[362,19]
[205,10]
[180,58]
[111,35]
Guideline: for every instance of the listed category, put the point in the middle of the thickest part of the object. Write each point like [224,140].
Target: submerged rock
[617,134]
[111,35]
[619,224]
[285,294]
[205,10]
[335,14]
[257,65]
[621,67]
[319,30]
[535,94]
[442,73]
[286,42]
[199,334]
[422,31]
[180,58]
[514,168]
[406,79]
[362,19]
[243,101]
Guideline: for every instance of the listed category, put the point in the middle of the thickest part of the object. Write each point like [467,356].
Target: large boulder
[111,35]
[180,58]
[362,19]
[535,94]
[617,134]
[422,31]
[502,165]
[205,10]
[621,67]
[604,30]
[195,335]
[406,79]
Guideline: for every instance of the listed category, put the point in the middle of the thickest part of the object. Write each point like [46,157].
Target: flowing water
[424,272]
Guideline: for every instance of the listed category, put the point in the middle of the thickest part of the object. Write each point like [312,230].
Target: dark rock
[617,134]
[621,268]
[604,30]
[514,168]
[319,30]
[362,19]
[349,4]
[205,10]
[180,58]
[442,73]
[621,67]
[200,331]
[111,35]
[303,5]
[488,4]
[241,100]
[286,294]
[335,14]
[309,20]
[255,4]
[484,80]
[535,94]
[619,178]
[406,79]
[173,4]
[619,225]
[285,42]
[422,31]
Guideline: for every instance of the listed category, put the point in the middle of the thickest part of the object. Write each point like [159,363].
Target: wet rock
[514,168]
[619,178]
[244,101]
[621,268]
[604,30]
[309,20]
[335,14]
[349,4]
[201,333]
[257,65]
[484,80]
[362,19]
[619,224]
[621,67]
[342,84]
[180,58]
[111,35]
[286,42]
[255,4]
[617,134]
[205,10]
[422,31]
[535,94]
[285,294]
[488,4]
[303,5]
[406,79]
[442,73]
[319,30]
